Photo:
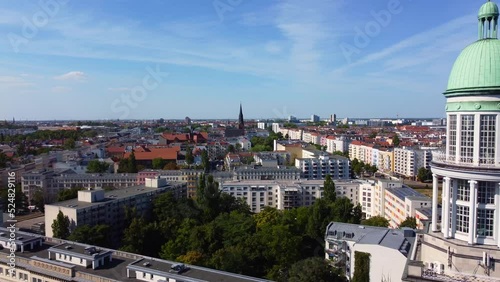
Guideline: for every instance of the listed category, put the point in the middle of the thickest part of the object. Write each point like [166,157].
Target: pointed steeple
[241,122]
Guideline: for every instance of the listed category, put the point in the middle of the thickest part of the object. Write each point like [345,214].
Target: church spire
[241,122]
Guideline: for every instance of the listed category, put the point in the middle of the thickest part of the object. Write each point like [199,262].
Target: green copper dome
[477,69]
[489,9]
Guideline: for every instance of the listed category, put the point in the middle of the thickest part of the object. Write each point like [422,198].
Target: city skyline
[83,61]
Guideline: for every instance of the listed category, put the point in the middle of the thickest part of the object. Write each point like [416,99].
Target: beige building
[94,207]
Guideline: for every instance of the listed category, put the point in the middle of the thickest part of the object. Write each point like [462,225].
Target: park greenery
[96,166]
[68,194]
[378,221]
[359,168]
[410,222]
[262,144]
[128,165]
[361,267]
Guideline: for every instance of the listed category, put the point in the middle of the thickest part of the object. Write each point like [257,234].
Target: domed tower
[470,165]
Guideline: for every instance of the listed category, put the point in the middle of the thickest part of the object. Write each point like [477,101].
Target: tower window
[467,139]
[462,222]
[487,140]
[485,223]
[452,140]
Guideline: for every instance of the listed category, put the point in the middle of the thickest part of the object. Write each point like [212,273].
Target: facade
[319,167]
[401,203]
[51,183]
[42,259]
[407,161]
[389,249]
[286,194]
[94,207]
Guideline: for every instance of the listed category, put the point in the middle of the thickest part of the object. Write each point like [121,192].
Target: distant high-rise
[314,118]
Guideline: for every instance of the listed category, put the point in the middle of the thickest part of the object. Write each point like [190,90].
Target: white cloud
[72,75]
[14,81]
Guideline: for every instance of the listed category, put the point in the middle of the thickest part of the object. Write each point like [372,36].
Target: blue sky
[148,59]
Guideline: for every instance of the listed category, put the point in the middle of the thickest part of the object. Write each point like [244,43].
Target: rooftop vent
[90,250]
[68,247]
[146,264]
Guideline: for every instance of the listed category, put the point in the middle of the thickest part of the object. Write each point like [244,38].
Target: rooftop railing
[441,157]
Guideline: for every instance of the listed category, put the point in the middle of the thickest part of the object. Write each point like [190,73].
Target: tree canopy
[409,222]
[96,166]
[379,221]
[60,226]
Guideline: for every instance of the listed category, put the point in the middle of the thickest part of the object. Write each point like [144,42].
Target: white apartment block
[286,194]
[319,167]
[275,127]
[94,207]
[407,161]
[50,183]
[357,150]
[311,137]
[389,249]
[334,144]
[262,125]
[366,197]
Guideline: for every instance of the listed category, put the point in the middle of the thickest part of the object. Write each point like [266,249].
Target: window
[487,140]
[452,140]
[463,189]
[486,192]
[462,222]
[467,139]
[485,223]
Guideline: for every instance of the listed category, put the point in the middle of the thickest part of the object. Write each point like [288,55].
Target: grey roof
[427,211]
[360,234]
[113,195]
[406,191]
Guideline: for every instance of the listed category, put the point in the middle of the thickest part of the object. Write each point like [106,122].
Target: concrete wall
[384,262]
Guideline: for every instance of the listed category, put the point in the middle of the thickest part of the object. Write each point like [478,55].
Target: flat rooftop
[194,272]
[113,195]
[406,191]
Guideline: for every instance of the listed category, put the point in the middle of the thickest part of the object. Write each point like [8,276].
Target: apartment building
[403,202]
[334,144]
[318,167]
[407,161]
[51,182]
[286,194]
[217,149]
[311,137]
[385,160]
[188,176]
[94,207]
[44,259]
[366,197]
[389,249]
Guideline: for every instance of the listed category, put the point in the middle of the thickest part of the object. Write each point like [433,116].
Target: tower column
[446,208]
[472,211]
[434,202]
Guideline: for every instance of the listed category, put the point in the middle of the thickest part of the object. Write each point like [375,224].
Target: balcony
[440,157]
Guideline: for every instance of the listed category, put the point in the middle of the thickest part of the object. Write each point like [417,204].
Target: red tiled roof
[153,153]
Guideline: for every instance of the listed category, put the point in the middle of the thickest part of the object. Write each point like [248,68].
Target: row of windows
[487,139]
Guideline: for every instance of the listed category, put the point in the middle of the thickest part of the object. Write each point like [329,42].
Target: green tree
[189,155]
[95,166]
[69,144]
[97,235]
[132,163]
[231,149]
[361,267]
[357,214]
[395,140]
[329,189]
[409,222]
[60,226]
[159,163]
[38,200]
[314,269]
[379,221]
[123,166]
[68,194]
[205,162]
[3,160]
[424,174]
